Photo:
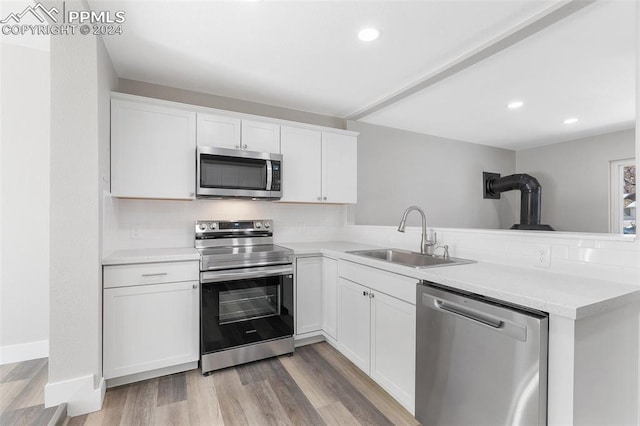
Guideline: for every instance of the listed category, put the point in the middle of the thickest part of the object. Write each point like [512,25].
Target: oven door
[244,306]
[234,173]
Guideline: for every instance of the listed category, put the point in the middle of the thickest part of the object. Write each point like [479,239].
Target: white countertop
[127,257]
[559,294]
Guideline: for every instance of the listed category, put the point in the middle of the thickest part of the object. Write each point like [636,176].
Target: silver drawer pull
[155,275]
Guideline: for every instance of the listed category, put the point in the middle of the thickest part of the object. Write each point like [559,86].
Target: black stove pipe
[530,198]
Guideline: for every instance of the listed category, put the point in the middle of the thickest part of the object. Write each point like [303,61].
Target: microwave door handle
[269,175]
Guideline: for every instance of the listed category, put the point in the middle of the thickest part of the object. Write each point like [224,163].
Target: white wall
[398,168]
[24,188]
[575,179]
[81,76]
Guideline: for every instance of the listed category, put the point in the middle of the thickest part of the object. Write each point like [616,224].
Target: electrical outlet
[543,258]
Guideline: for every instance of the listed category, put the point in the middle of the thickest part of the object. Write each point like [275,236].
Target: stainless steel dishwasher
[478,361]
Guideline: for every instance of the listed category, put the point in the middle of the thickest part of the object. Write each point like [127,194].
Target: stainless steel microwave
[231,173]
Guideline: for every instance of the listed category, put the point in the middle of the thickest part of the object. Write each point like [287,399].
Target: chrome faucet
[426,245]
[445,255]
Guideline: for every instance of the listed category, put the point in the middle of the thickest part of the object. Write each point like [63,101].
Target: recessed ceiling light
[368,34]
[515,104]
[571,120]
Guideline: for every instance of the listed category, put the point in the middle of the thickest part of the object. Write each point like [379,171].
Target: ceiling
[305,55]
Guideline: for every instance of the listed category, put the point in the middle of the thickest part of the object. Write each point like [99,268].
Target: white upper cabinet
[153,150]
[260,137]
[233,133]
[339,168]
[301,151]
[219,131]
[318,167]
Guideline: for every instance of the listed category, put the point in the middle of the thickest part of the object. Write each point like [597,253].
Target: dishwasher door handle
[494,323]
[499,324]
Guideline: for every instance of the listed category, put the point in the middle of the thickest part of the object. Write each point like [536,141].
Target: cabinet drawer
[150,273]
[398,286]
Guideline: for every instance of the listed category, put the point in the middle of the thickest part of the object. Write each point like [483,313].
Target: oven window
[232,173]
[249,303]
[240,312]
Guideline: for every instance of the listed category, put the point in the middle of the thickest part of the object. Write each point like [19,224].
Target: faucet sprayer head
[403,222]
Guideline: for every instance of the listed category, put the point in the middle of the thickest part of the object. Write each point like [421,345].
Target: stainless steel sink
[409,258]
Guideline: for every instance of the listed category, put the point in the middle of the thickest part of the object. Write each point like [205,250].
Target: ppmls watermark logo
[40,20]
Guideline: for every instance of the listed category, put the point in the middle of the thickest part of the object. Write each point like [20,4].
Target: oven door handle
[243,274]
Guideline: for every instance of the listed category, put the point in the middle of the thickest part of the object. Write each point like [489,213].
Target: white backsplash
[131,224]
[600,256]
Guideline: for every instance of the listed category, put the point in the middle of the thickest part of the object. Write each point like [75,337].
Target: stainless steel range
[246,296]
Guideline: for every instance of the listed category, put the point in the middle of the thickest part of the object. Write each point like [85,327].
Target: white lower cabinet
[317,296]
[149,327]
[308,294]
[377,333]
[393,347]
[330,297]
[354,323]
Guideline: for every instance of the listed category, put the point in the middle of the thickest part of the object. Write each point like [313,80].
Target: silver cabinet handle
[237,146]
[245,146]
[365,293]
[159,274]
[324,198]
[195,286]
[319,198]
[371,295]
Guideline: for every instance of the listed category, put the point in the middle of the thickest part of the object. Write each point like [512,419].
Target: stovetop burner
[238,244]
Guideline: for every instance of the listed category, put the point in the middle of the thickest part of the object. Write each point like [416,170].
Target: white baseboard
[308,338]
[24,352]
[79,394]
[118,381]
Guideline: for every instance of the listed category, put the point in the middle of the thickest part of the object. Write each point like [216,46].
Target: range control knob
[213,226]
[202,227]
[267,225]
[258,225]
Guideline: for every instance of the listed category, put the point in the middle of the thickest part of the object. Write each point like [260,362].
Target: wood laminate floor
[22,393]
[316,386]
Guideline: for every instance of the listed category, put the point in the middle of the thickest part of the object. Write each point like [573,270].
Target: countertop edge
[138,256]
[332,249]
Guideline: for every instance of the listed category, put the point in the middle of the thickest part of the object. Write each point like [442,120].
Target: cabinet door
[153,151]
[218,131]
[301,165]
[354,322]
[393,336]
[339,168]
[261,137]
[330,297]
[150,327]
[308,294]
